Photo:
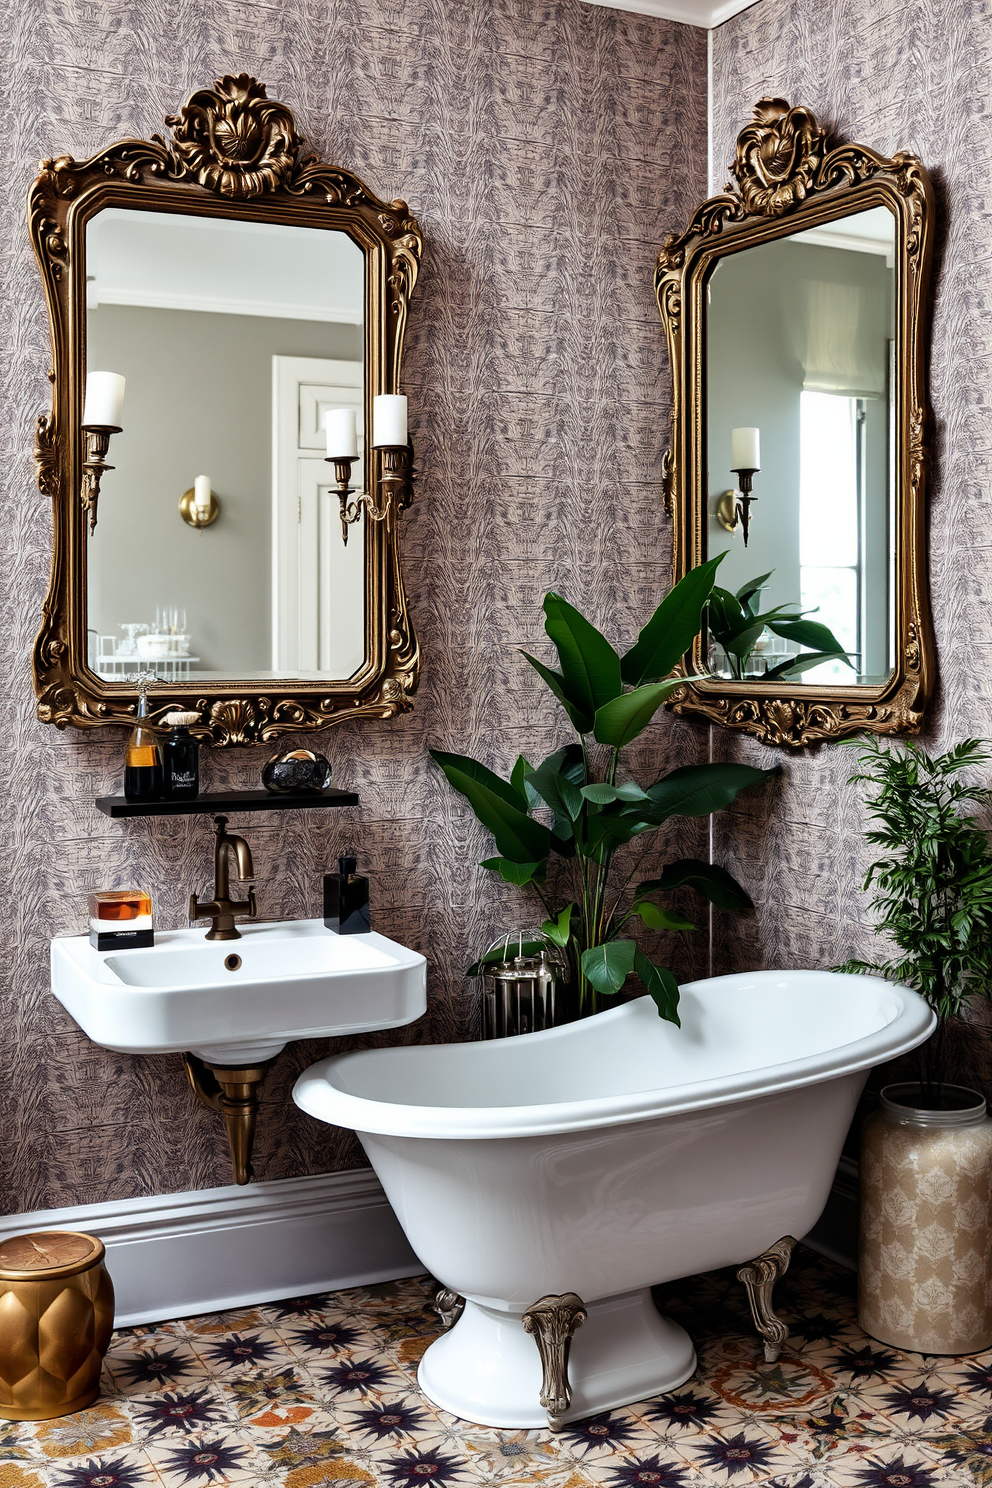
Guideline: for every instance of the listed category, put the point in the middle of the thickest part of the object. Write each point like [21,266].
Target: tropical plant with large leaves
[561,825]
[735,621]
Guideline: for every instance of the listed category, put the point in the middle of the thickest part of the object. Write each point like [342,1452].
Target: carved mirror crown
[786,181]
[234,153]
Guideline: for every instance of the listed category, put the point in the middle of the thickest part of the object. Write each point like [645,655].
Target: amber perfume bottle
[143,773]
[346,899]
[121,920]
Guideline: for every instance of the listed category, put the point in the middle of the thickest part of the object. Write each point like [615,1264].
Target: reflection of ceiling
[861,232]
[169,261]
[708,13]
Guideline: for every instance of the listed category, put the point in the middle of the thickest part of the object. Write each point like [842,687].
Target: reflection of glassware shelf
[168,668]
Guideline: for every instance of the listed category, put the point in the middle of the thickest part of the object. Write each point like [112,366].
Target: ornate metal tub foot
[448,1306]
[759,1277]
[552,1321]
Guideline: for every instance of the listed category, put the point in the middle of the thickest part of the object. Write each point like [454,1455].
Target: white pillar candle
[389,419]
[103,405]
[341,428]
[201,495]
[745,450]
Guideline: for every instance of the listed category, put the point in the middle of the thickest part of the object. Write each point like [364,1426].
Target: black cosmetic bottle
[346,899]
[181,758]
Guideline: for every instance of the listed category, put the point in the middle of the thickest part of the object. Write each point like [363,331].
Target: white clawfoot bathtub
[607,1156]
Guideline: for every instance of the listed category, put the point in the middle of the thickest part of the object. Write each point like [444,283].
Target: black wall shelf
[214,802]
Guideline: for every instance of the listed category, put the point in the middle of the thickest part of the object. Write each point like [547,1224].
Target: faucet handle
[252,903]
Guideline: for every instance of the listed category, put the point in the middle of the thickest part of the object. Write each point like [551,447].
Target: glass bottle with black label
[181,758]
[143,774]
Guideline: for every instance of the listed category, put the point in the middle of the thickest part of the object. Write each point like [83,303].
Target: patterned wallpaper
[546,146]
[893,76]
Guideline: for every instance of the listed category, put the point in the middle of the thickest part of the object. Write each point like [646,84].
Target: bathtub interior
[730,1026]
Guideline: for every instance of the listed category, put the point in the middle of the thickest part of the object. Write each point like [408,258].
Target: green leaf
[608,966]
[580,721]
[659,919]
[558,792]
[589,665]
[672,628]
[747,591]
[515,873]
[507,790]
[520,769]
[807,633]
[698,790]
[718,886]
[517,836]
[792,666]
[559,930]
[620,721]
[604,795]
[661,986]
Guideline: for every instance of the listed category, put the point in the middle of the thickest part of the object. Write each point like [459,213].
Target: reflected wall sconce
[103,408]
[745,462]
[199,506]
[390,440]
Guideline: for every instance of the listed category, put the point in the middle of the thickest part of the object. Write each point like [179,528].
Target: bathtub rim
[315,1092]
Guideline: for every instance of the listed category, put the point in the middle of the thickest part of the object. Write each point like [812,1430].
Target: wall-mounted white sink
[238,1002]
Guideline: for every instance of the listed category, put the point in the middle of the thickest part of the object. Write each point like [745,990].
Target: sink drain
[233,963]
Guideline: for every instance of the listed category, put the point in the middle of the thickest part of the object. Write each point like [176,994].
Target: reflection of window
[831,486]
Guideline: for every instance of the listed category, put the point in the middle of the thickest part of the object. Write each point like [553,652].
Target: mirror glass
[235,338]
[799,343]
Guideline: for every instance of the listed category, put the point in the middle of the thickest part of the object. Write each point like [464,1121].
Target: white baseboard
[173,1255]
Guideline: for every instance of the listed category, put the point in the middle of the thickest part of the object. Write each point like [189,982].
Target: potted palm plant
[565,827]
[926,1154]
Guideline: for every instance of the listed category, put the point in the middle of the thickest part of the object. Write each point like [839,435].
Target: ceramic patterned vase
[925,1256]
[56,1318]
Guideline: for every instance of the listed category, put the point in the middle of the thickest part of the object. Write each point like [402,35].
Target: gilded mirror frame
[787,180]
[234,153]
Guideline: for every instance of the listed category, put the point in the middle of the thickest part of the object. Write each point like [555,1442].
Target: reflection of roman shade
[842,337]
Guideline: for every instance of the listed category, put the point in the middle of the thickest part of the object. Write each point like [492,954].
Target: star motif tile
[321,1392]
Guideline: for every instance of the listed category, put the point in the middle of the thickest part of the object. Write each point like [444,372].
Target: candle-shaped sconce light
[103,415]
[391,445]
[199,506]
[745,462]
[341,429]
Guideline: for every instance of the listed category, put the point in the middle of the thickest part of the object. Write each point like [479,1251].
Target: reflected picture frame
[787,180]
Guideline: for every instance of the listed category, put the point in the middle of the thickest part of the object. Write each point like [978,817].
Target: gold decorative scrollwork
[241,148]
[778,157]
[234,139]
[787,181]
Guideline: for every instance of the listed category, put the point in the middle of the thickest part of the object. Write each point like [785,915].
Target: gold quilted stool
[56,1318]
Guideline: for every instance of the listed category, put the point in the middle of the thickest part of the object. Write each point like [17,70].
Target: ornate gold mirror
[796,311]
[237,290]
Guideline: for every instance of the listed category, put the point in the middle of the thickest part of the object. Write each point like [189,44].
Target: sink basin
[296,980]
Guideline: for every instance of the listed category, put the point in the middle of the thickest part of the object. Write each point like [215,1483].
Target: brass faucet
[222,908]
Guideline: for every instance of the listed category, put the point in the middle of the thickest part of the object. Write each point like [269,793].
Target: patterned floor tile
[321,1392]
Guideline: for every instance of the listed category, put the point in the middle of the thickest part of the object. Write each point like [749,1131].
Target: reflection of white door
[318,599]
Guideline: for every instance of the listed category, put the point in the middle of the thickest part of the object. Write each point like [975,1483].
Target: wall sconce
[103,408]
[389,437]
[199,506]
[745,462]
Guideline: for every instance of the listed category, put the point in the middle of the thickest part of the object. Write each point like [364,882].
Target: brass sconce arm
[97,438]
[396,480]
